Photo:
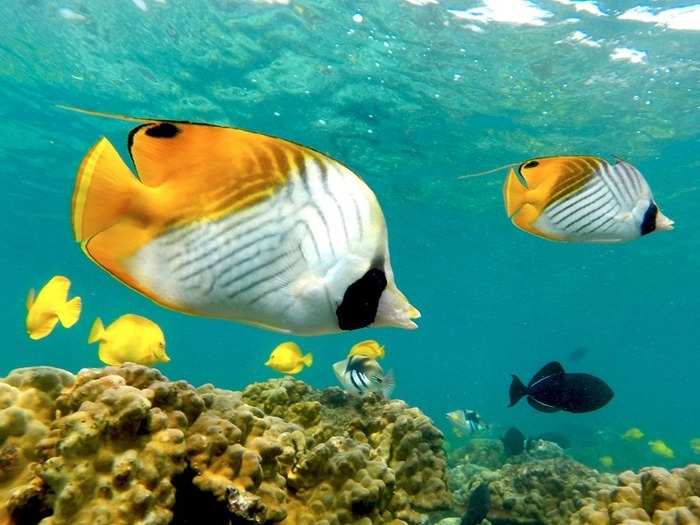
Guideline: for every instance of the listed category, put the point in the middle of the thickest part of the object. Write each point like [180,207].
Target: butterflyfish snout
[235,225]
[582,199]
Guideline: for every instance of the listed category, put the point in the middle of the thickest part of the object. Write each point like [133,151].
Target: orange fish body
[230,224]
[581,199]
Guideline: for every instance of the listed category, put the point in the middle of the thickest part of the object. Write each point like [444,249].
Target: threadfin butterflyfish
[361,375]
[131,338]
[288,359]
[231,224]
[50,306]
[581,199]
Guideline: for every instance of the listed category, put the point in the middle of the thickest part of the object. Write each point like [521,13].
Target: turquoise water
[410,99]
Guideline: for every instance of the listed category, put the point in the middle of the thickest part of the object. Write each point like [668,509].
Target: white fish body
[582,199]
[361,375]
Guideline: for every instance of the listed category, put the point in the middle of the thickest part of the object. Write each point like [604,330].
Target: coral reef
[121,445]
[654,495]
[543,486]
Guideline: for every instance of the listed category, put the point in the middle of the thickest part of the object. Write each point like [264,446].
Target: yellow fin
[104,356]
[105,191]
[44,329]
[30,299]
[97,332]
[55,292]
[69,313]
[296,369]
[308,359]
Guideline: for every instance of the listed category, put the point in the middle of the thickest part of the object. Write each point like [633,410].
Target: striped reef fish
[581,199]
[230,224]
[466,422]
[360,375]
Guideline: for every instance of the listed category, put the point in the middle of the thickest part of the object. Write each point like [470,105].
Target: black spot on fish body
[478,506]
[531,164]
[162,130]
[361,300]
[513,442]
[649,220]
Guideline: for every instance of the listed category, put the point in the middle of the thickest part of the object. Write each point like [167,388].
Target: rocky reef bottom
[124,445]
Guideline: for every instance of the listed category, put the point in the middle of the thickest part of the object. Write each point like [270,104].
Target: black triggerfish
[551,389]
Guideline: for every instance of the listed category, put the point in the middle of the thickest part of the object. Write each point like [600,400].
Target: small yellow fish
[606,461]
[130,338]
[457,432]
[50,306]
[695,445]
[633,434]
[369,348]
[287,358]
[660,448]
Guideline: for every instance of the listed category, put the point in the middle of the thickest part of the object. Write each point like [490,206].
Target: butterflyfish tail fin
[97,332]
[517,390]
[105,189]
[308,359]
[389,384]
[30,298]
[69,313]
[103,114]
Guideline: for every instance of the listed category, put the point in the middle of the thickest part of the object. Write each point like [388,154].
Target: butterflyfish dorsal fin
[201,156]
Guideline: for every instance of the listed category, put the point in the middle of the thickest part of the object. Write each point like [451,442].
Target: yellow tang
[581,199]
[695,445]
[288,359]
[606,461]
[660,448]
[633,434]
[369,348]
[230,224]
[131,338]
[50,306]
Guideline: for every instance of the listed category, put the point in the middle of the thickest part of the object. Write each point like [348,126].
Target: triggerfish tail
[308,359]
[69,313]
[517,390]
[97,332]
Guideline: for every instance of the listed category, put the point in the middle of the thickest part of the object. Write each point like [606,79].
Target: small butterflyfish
[50,306]
[468,422]
[660,448]
[369,348]
[633,434]
[288,359]
[582,199]
[606,461]
[551,389]
[131,338]
[231,224]
[360,375]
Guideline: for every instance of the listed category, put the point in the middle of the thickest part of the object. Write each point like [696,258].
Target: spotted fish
[226,223]
[582,199]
